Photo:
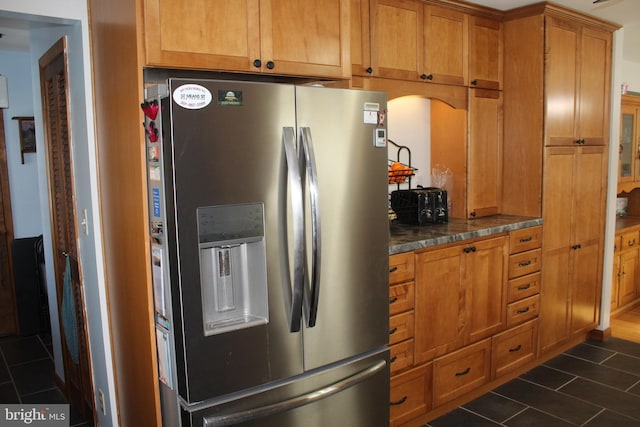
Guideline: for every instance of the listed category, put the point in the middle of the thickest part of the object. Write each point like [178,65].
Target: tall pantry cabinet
[556,116]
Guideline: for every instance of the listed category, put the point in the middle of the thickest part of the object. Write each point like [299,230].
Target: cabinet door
[445,46]
[487,287]
[586,281]
[593,102]
[360,38]
[629,263]
[305,37]
[627,150]
[220,35]
[485,53]
[589,186]
[396,34]
[440,301]
[484,158]
[562,40]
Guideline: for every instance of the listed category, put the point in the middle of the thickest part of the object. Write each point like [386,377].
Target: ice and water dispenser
[233,272]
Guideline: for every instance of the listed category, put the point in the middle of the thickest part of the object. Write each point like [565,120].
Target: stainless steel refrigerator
[269,253]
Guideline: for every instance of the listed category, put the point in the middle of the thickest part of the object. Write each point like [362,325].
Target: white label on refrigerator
[164,358]
[371,110]
[157,278]
[192,97]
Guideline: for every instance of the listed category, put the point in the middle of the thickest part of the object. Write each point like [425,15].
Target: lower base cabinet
[410,394]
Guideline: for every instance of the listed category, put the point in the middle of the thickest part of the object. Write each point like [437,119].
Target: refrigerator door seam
[295,402]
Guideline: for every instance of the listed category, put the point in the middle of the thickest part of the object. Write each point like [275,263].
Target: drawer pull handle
[513,350]
[524,287]
[523,310]
[392,300]
[393,359]
[399,402]
[463,373]
[526,239]
[393,331]
[393,269]
[524,263]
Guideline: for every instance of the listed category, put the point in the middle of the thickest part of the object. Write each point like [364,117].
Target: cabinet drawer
[524,286]
[461,371]
[523,310]
[524,263]
[401,356]
[513,348]
[401,297]
[525,239]
[401,267]
[410,394]
[401,327]
[630,239]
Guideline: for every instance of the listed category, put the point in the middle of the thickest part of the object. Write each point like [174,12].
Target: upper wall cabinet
[284,37]
[414,41]
[418,41]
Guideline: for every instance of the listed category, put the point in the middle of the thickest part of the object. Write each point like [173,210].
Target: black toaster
[420,206]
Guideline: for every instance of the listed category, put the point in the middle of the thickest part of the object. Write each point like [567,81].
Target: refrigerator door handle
[294,402]
[297,213]
[316,236]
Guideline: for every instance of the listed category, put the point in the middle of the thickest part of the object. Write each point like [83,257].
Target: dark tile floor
[595,384]
[27,374]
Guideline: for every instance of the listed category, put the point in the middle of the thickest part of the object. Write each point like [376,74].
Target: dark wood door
[64,228]
[8,313]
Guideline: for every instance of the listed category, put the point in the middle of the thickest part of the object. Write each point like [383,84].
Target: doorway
[64,229]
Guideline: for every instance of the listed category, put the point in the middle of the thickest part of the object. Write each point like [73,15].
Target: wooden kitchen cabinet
[573,210]
[578,78]
[411,394]
[461,294]
[629,149]
[626,268]
[284,37]
[484,153]
[485,53]
[414,41]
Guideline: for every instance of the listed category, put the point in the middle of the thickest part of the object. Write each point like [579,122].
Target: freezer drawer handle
[295,402]
[316,235]
[297,213]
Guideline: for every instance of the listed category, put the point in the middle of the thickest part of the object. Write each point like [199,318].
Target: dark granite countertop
[405,238]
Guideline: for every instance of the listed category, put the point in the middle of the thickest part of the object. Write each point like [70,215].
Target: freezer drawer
[354,394]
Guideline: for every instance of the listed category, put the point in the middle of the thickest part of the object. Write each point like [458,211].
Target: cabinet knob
[369,70]
[271,65]
[474,82]
[576,247]
[257,63]
[473,214]
[426,76]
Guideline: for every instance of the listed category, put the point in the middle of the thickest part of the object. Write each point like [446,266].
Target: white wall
[630,75]
[74,14]
[23,178]
[409,124]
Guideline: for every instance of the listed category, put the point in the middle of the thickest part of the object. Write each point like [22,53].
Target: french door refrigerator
[269,224]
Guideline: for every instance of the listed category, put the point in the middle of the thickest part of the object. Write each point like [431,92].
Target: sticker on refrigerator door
[371,110]
[230,97]
[379,137]
[155,174]
[192,96]
[156,202]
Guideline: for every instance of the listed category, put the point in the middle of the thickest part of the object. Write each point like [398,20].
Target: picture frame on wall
[27,133]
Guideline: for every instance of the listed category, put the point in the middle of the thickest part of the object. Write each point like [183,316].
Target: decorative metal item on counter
[399,172]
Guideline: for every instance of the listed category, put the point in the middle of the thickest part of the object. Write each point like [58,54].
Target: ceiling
[623,12]
[15,30]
